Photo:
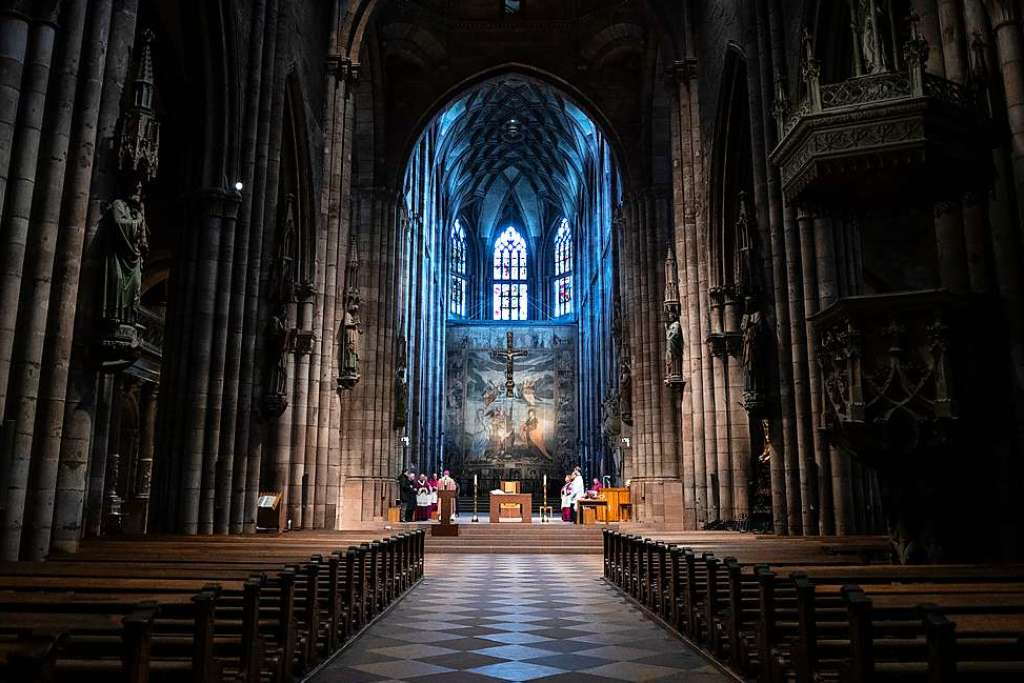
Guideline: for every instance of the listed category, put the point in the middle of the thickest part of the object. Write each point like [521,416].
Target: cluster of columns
[225,440]
[813,489]
[371,447]
[654,458]
[595,301]
[64,67]
[425,305]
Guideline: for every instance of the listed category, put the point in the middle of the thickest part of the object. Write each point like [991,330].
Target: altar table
[523,500]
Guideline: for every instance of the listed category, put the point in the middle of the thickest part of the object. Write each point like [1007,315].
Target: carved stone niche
[889,373]
[877,139]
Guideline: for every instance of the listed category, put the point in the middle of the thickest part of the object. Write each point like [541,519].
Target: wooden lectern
[270,513]
[445,507]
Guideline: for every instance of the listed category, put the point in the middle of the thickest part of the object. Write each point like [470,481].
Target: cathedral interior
[734,256]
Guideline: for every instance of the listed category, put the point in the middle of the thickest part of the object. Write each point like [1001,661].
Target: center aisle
[516,618]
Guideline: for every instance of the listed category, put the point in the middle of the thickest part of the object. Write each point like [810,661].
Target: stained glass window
[457,272]
[563,270]
[510,273]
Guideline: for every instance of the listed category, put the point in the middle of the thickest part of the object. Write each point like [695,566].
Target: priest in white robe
[576,492]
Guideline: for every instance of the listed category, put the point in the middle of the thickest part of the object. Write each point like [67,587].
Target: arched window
[563,270]
[510,276]
[457,272]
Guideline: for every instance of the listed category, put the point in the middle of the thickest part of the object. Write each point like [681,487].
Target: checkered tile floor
[516,618]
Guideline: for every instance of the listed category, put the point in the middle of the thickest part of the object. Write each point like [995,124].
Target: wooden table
[523,500]
[584,503]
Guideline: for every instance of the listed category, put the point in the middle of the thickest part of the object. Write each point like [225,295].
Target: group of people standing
[573,490]
[419,494]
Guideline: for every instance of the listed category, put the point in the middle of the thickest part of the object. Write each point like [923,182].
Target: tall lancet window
[510,274]
[563,270]
[457,272]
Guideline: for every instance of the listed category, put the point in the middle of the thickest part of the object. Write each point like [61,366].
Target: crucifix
[509,355]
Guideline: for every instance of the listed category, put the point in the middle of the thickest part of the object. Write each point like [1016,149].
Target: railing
[882,88]
[886,366]
[152,332]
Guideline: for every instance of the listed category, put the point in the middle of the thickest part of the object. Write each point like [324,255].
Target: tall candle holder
[544,514]
[476,517]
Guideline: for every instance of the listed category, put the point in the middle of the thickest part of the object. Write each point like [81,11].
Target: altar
[522,501]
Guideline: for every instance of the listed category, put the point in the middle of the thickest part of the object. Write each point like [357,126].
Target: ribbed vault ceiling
[509,147]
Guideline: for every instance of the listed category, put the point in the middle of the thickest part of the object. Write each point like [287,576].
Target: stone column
[656,488]
[68,383]
[811,221]
[36,297]
[828,294]
[370,440]
[16,204]
[798,355]
[1006,26]
[14,39]
[250,431]
[147,443]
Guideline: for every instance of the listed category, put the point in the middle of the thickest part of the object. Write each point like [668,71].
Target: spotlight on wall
[239,186]
[405,441]
[625,442]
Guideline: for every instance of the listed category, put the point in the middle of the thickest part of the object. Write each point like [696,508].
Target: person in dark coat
[407,492]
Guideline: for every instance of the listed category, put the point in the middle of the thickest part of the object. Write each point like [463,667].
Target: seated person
[595,490]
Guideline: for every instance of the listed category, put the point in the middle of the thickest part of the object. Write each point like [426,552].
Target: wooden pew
[262,613]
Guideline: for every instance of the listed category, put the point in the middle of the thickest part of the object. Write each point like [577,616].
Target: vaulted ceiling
[513,147]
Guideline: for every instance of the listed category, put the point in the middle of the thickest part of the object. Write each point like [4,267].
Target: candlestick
[476,518]
[544,505]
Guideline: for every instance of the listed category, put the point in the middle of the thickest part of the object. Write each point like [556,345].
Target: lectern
[446,505]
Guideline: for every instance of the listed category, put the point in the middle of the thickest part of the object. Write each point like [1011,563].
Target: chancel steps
[509,537]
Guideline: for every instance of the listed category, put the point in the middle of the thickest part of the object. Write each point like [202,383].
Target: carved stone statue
[673,349]
[611,423]
[352,325]
[625,390]
[755,347]
[400,416]
[350,353]
[275,396]
[126,244]
[873,33]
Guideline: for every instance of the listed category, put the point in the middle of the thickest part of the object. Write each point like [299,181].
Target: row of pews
[237,609]
[806,616]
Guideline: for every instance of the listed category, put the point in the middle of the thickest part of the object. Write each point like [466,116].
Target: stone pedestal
[657,502]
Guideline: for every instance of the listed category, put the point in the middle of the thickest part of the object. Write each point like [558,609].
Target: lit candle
[545,482]
[474,481]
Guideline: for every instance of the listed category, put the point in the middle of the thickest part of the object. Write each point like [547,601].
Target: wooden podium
[445,508]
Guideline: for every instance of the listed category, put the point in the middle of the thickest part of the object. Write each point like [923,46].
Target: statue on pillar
[755,351]
[401,386]
[278,335]
[611,423]
[125,240]
[125,245]
[625,387]
[673,328]
[352,325]
[745,270]
[124,233]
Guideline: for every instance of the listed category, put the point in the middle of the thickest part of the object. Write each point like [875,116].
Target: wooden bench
[235,608]
[795,611]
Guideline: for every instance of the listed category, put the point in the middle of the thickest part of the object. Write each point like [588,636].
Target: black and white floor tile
[516,618]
